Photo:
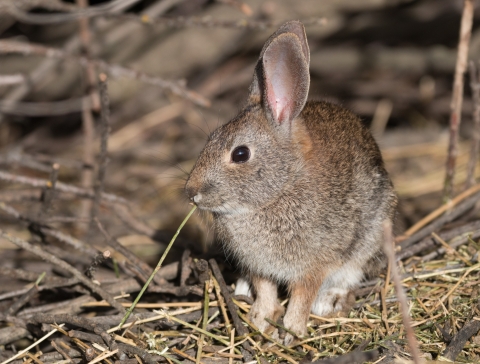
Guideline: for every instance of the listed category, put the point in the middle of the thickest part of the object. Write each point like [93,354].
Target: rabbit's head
[249,161]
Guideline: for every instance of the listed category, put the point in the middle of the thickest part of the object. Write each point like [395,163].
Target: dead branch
[144,270]
[52,5]
[74,13]
[56,346]
[209,22]
[471,230]
[48,193]
[11,79]
[448,216]
[88,124]
[104,133]
[54,260]
[98,260]
[7,46]
[72,45]
[457,96]
[390,252]
[50,108]
[460,339]
[41,183]
[108,10]
[38,227]
[475,148]
[353,357]
[241,330]
[22,300]
[82,322]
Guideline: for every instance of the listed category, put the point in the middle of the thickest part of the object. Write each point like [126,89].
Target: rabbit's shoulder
[334,128]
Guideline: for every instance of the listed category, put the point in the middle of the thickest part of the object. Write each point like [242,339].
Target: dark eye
[240,154]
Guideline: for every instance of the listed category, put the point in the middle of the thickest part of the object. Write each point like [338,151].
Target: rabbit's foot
[260,311]
[288,339]
[333,301]
[296,326]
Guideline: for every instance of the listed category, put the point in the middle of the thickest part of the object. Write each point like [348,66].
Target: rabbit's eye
[240,154]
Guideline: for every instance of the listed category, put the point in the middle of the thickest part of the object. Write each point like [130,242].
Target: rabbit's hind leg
[335,295]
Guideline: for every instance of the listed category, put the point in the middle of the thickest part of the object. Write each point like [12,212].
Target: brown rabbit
[298,190]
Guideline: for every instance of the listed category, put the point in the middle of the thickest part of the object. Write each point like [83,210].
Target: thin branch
[457,96]
[104,133]
[239,327]
[12,79]
[79,245]
[49,192]
[109,11]
[51,108]
[47,65]
[88,126]
[73,14]
[475,148]
[389,247]
[462,232]
[460,339]
[447,217]
[64,265]
[52,5]
[41,183]
[209,22]
[144,268]
[7,46]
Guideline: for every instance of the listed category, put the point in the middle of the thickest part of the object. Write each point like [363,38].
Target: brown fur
[307,208]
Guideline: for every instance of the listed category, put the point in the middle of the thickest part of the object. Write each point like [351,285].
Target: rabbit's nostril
[190,191]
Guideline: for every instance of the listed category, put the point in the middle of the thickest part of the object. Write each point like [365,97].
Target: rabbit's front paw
[259,312]
[289,338]
[295,324]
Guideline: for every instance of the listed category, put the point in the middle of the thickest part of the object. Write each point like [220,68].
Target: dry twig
[390,252]
[58,262]
[457,97]
[7,46]
[475,148]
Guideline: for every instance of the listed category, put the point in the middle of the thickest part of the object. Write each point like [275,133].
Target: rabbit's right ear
[281,80]
[286,79]
[294,27]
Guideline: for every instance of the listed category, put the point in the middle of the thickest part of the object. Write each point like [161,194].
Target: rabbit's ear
[286,78]
[296,28]
[293,27]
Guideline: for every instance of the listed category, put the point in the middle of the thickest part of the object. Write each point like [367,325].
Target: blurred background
[179,68]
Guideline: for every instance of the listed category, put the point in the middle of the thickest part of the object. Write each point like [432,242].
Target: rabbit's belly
[267,262]
[282,256]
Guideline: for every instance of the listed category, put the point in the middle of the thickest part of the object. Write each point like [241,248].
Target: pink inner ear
[286,77]
[279,88]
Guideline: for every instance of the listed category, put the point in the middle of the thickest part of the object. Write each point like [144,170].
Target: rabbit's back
[346,162]
[345,159]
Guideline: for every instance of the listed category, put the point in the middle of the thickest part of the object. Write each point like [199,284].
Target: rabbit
[297,189]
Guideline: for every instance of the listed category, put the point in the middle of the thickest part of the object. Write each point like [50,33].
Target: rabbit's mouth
[224,208]
[227,209]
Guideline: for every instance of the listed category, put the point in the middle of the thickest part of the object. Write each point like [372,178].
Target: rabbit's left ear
[286,78]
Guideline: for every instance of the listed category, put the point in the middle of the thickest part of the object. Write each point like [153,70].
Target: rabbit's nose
[193,194]
[196,198]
